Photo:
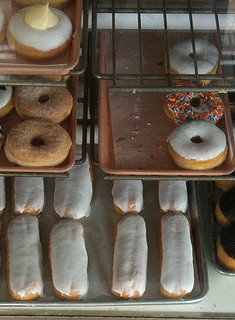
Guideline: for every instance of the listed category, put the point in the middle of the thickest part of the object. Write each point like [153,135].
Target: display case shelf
[164,16]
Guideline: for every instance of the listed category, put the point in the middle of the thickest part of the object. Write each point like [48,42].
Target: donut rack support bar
[176,178]
[189,8]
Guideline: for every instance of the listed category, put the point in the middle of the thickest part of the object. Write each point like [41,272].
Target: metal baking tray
[69,124]
[133,127]
[215,194]
[11,63]
[99,232]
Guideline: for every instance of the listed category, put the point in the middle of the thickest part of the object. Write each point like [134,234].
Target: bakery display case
[120,83]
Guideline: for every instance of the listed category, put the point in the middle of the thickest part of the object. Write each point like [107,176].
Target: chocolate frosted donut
[225,208]
[226,247]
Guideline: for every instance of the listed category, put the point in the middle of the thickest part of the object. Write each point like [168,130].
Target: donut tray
[215,231]
[11,63]
[99,231]
[69,124]
[135,142]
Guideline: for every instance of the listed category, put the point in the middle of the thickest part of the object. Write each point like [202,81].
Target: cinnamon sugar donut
[53,104]
[37,143]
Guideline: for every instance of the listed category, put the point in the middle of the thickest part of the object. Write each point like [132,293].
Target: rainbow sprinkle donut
[187,106]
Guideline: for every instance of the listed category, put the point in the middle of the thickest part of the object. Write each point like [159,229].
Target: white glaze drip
[177,273]
[28,194]
[43,40]
[69,257]
[72,195]
[5,96]
[24,256]
[128,195]
[214,140]
[173,196]
[130,257]
[181,59]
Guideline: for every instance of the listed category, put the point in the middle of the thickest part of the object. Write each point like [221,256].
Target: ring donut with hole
[53,104]
[197,145]
[181,57]
[186,106]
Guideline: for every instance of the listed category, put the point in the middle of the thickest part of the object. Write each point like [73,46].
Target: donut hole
[37,141]
[3,88]
[43,98]
[196,139]
[195,102]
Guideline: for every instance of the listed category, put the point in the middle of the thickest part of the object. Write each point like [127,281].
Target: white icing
[43,40]
[177,271]
[79,134]
[130,256]
[128,195]
[5,96]
[72,195]
[28,194]
[69,257]
[2,194]
[2,18]
[214,140]
[24,256]
[181,61]
[173,196]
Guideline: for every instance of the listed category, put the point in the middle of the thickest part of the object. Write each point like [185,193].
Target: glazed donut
[182,61]
[2,26]
[187,106]
[53,3]
[37,143]
[225,185]
[53,104]
[130,258]
[6,100]
[32,42]
[177,271]
[197,145]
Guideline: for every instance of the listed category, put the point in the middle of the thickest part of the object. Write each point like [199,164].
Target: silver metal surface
[99,230]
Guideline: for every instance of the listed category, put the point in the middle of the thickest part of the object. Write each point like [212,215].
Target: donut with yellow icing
[39,32]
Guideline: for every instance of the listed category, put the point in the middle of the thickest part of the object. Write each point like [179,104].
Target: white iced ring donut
[182,60]
[39,44]
[197,145]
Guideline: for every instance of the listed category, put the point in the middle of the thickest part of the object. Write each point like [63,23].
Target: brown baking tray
[133,127]
[69,124]
[11,63]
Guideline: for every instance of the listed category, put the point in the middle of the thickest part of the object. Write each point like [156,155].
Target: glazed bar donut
[127,196]
[37,143]
[53,104]
[177,271]
[72,195]
[130,258]
[28,195]
[197,145]
[68,260]
[53,3]
[186,106]
[225,208]
[173,196]
[38,32]
[181,57]
[226,247]
[24,258]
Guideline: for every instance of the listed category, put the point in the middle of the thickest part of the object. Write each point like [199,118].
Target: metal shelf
[223,81]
